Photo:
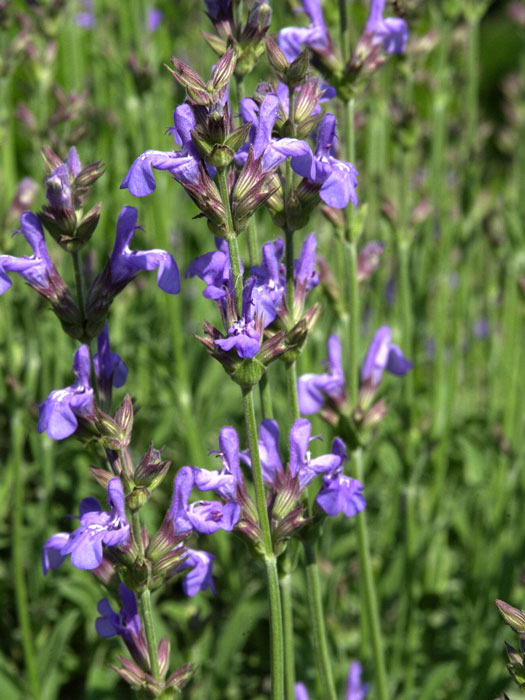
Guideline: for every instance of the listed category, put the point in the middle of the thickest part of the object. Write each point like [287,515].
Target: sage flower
[383,355]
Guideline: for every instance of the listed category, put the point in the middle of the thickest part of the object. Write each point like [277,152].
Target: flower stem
[289,657]
[369,589]
[270,562]
[19,547]
[315,603]
[149,630]
[231,238]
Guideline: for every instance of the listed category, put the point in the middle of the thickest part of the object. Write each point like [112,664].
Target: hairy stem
[146,612]
[289,665]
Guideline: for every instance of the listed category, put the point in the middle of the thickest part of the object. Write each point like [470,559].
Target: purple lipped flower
[86,18]
[270,282]
[340,493]
[225,481]
[314,389]
[383,354]
[154,17]
[301,693]
[219,10]
[36,270]
[301,462]
[183,165]
[355,688]
[271,151]
[59,413]
[244,334]
[97,528]
[315,36]
[392,32]
[110,369]
[58,183]
[200,577]
[125,264]
[203,516]
[337,178]
[214,268]
[126,623]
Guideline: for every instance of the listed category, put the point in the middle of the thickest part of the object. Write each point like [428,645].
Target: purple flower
[110,369]
[97,528]
[183,165]
[243,335]
[301,693]
[272,151]
[338,179]
[154,18]
[125,264]
[219,10]
[37,270]
[58,183]
[314,389]
[340,493]
[383,354]
[392,33]
[200,577]
[214,269]
[203,516]
[126,624]
[86,19]
[355,689]
[301,462]
[315,36]
[225,481]
[58,414]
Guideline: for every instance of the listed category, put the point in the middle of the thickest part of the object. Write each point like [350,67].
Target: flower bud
[163,655]
[513,617]
[224,70]
[151,469]
[298,69]
[276,57]
[137,498]
[215,43]
[124,419]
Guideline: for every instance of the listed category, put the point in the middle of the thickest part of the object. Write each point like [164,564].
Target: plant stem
[289,657]
[369,590]
[315,604]
[353,325]
[19,547]
[231,238]
[149,631]
[270,562]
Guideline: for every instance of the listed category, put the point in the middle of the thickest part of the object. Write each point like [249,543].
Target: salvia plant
[256,169]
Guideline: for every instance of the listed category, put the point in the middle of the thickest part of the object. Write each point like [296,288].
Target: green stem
[79,284]
[276,623]
[353,322]
[19,547]
[344,35]
[315,604]
[231,238]
[266,396]
[289,665]
[369,589]
[149,631]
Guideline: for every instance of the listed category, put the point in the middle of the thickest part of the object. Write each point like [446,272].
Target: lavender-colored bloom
[59,413]
[200,577]
[125,264]
[36,269]
[383,354]
[214,268]
[301,693]
[97,528]
[183,165]
[243,335]
[314,389]
[126,623]
[153,19]
[301,462]
[481,328]
[58,183]
[110,369]
[338,179]
[203,516]
[355,689]
[315,36]
[225,481]
[305,273]
[271,151]
[86,18]
[392,33]
[340,493]
[219,9]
